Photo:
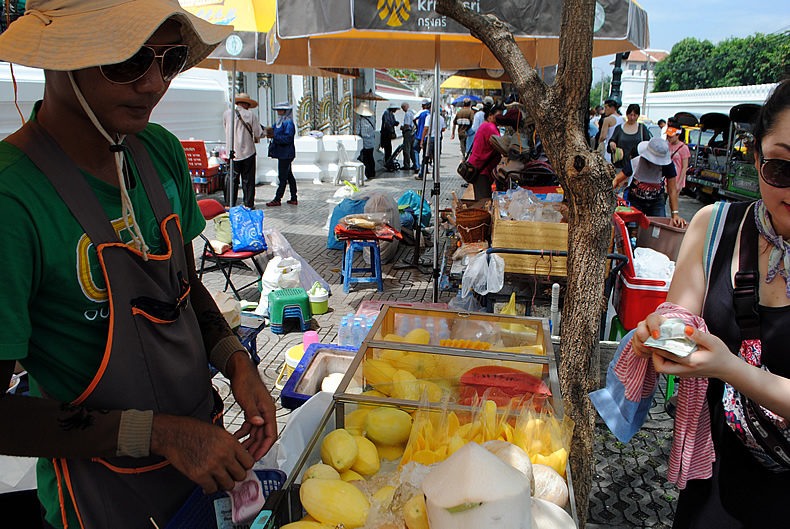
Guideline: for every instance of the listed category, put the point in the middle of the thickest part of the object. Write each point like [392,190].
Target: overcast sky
[714,20]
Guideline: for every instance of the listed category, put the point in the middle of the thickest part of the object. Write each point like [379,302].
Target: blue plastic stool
[375,265]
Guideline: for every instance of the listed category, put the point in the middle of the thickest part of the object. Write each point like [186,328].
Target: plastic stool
[375,265]
[289,303]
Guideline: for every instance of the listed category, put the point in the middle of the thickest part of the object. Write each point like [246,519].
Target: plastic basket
[473,224]
[198,511]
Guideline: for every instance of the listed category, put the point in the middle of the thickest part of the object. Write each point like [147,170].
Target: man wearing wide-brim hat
[247,132]
[653,172]
[101,303]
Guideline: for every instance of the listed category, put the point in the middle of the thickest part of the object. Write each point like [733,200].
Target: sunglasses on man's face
[775,171]
[171,61]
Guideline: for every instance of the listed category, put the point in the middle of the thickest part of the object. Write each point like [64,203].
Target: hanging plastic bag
[496,273]
[475,276]
[247,229]
[464,304]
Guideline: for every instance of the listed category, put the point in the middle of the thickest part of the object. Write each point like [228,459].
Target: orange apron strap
[67,480]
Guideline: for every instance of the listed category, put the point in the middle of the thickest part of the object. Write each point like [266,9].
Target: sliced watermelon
[510,381]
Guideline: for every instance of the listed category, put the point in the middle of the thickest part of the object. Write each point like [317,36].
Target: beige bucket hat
[363,109]
[243,97]
[74,34]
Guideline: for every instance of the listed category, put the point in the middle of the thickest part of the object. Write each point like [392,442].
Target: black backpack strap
[746,294]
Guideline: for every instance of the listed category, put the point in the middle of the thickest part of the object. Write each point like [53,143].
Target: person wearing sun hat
[102,304]
[283,148]
[366,127]
[247,132]
[652,170]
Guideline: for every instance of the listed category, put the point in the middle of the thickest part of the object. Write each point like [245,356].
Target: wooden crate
[529,235]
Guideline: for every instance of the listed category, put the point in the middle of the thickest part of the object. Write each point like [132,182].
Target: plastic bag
[300,428]
[346,207]
[545,438]
[289,272]
[413,200]
[279,246]
[650,264]
[510,310]
[380,203]
[496,273]
[464,304]
[475,276]
[222,228]
[247,229]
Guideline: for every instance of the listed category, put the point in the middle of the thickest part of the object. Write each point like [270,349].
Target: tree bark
[586,179]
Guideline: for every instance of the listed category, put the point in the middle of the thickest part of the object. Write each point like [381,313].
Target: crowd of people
[651,172]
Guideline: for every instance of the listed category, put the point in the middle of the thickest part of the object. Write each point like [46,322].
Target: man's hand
[260,423]
[678,221]
[206,454]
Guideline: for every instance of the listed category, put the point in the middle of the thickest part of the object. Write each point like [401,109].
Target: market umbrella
[398,34]
[460,82]
[458,101]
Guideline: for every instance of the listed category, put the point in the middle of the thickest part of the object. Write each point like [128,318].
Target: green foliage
[402,74]
[694,64]
[595,91]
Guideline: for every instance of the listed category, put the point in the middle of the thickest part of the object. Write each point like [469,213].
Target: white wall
[665,104]
[191,108]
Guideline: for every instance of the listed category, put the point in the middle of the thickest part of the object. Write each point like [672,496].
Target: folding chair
[210,208]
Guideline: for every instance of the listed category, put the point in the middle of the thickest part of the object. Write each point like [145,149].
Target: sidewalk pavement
[629,484]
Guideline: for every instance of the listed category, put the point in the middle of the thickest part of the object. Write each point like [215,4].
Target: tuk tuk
[743,181]
[709,161]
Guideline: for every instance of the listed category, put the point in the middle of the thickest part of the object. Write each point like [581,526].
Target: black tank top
[751,493]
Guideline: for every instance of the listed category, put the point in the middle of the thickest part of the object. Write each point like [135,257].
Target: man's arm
[605,127]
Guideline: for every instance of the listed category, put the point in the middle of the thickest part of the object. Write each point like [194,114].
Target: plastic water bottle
[430,326]
[417,323]
[555,310]
[343,332]
[357,333]
[405,325]
[444,331]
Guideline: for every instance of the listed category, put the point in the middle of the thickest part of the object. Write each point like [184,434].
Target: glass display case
[414,354]
[448,378]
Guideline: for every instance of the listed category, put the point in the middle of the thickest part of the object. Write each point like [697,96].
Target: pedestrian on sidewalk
[283,149]
[247,132]
[463,121]
[367,129]
[387,134]
[484,156]
[419,127]
[408,137]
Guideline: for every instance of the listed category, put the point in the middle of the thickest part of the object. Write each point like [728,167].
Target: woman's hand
[646,328]
[678,221]
[712,359]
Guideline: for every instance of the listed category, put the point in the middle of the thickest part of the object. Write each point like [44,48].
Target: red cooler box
[634,298]
[204,176]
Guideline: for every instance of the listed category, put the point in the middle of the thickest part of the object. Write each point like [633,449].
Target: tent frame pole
[436,191]
[231,152]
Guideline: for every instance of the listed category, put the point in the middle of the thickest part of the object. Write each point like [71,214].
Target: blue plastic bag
[246,226]
[412,199]
[346,207]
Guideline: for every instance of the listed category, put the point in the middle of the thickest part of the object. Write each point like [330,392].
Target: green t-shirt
[54,301]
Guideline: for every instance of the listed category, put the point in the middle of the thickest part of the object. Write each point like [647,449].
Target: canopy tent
[399,34]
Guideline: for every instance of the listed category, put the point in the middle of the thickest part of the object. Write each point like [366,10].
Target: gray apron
[155,357]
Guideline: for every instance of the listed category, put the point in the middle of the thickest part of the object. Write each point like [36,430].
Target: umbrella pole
[230,177]
[436,187]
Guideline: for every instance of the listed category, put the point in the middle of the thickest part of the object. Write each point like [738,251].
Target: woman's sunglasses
[775,172]
[171,61]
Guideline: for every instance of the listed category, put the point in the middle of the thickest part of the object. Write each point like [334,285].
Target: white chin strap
[127,211]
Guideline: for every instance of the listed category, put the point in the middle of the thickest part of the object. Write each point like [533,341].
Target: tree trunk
[586,179]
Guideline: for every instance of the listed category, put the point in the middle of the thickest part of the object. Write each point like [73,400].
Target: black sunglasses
[775,171]
[172,61]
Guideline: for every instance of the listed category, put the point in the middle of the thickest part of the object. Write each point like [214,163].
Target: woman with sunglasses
[730,452]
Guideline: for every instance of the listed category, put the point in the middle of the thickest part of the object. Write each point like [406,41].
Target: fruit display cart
[424,384]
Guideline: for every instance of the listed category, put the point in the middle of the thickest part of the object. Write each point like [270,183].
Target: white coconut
[549,485]
[546,515]
[473,488]
[513,456]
